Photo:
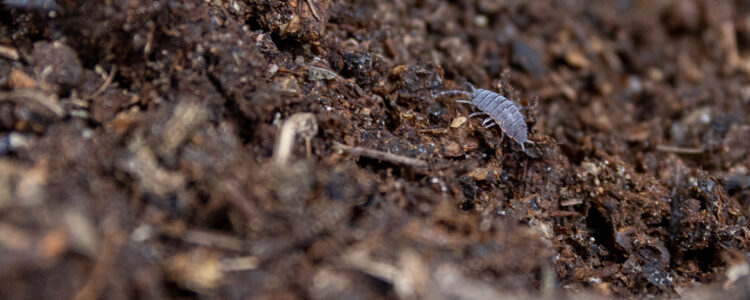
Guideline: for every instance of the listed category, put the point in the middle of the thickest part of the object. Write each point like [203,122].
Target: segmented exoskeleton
[501,110]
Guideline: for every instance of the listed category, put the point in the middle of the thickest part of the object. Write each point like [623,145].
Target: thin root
[47,101]
[380,155]
[314,10]
[106,83]
[680,150]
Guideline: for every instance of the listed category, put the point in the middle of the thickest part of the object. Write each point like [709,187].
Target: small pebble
[317,74]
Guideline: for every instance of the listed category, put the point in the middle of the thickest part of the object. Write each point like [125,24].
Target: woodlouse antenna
[471,87]
[454,92]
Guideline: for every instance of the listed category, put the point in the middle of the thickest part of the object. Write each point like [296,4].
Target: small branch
[10,53]
[433,130]
[314,10]
[563,213]
[680,150]
[571,202]
[303,124]
[242,263]
[102,271]
[380,155]
[36,96]
[106,83]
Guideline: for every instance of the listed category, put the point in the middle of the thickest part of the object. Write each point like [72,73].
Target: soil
[300,149]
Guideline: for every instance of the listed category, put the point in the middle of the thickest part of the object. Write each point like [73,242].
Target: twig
[433,130]
[236,197]
[571,202]
[106,83]
[37,96]
[9,52]
[380,155]
[303,124]
[103,268]
[242,263]
[680,150]
[563,213]
[314,10]
[149,39]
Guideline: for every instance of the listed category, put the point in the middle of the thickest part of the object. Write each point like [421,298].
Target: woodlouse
[501,110]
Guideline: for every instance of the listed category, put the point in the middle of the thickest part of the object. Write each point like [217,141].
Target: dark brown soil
[299,149]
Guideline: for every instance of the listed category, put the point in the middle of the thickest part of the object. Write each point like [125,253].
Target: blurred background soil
[299,149]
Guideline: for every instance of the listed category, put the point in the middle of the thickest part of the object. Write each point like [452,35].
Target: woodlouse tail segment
[464,101]
[476,114]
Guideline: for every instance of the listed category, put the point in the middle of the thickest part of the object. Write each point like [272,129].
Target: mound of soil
[301,149]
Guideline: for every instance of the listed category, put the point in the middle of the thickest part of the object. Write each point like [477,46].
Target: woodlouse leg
[490,125]
[464,101]
[523,147]
[479,113]
[484,123]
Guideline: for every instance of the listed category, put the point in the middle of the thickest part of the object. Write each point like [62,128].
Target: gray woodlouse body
[501,110]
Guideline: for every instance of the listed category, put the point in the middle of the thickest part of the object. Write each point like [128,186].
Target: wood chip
[479,174]
[457,122]
[571,202]
[20,80]
[451,149]
[576,59]
[9,52]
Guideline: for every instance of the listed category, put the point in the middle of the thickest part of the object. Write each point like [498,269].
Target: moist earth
[300,149]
